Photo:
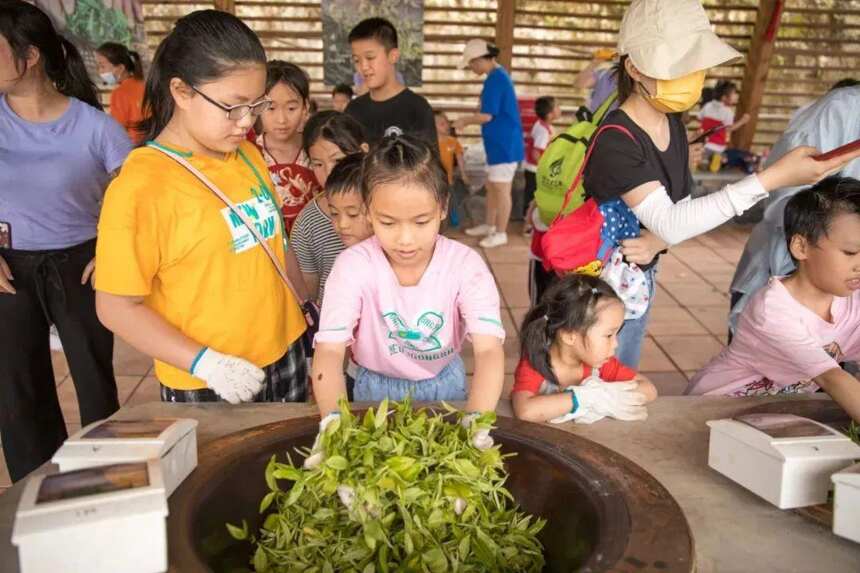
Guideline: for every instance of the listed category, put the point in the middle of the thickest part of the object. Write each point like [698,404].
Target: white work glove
[234,379]
[346,495]
[317,453]
[481,437]
[598,399]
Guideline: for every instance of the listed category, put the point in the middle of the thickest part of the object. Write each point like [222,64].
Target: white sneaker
[481,230]
[494,240]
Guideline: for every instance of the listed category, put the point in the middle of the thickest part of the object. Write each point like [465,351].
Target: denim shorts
[448,385]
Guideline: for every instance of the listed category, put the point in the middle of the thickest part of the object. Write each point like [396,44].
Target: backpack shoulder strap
[601,111]
[588,153]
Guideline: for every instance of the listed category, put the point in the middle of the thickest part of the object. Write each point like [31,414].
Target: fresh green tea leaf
[238,533]
[406,470]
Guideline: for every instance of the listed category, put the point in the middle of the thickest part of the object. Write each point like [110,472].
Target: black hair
[845,83]
[119,55]
[492,52]
[544,106]
[626,84]
[344,89]
[811,211]
[378,29]
[313,106]
[716,93]
[345,176]
[570,304]
[24,26]
[279,71]
[203,46]
[337,127]
[404,159]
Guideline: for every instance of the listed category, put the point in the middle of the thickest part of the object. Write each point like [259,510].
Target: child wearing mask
[118,66]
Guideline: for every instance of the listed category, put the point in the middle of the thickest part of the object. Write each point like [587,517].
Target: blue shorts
[448,385]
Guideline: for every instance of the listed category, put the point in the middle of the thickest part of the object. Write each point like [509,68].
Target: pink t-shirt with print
[781,345]
[410,333]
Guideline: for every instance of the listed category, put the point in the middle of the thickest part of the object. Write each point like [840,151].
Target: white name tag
[261,212]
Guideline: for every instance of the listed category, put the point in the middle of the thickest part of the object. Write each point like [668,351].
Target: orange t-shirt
[126,106]
[449,149]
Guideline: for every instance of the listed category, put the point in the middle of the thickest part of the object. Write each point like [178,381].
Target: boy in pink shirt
[795,332]
[406,299]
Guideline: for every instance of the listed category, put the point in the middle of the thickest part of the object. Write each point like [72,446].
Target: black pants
[49,290]
[531,187]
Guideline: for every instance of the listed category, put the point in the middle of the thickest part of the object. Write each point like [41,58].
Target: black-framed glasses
[237,112]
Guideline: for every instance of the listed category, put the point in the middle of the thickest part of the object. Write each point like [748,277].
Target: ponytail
[73,79]
[570,304]
[537,339]
[202,46]
[136,70]
[24,26]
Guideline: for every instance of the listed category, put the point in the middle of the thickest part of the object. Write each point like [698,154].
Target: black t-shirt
[407,112]
[619,164]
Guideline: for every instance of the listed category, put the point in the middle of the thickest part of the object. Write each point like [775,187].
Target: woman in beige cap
[666,47]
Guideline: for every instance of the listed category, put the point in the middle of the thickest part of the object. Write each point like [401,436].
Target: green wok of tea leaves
[425,500]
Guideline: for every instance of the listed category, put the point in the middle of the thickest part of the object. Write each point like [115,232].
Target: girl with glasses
[181,277]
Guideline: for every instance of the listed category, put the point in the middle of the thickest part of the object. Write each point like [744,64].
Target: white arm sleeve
[677,222]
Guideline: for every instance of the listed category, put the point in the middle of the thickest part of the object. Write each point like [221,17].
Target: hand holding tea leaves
[395,491]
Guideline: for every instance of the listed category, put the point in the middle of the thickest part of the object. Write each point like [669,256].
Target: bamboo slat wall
[818,43]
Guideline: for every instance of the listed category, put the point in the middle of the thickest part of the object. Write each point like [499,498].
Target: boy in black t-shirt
[389,107]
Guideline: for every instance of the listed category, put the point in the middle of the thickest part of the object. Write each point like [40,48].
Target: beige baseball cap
[668,39]
[476,48]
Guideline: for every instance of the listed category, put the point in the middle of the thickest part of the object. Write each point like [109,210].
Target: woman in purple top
[57,153]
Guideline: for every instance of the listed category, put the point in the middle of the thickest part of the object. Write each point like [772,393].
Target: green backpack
[560,163]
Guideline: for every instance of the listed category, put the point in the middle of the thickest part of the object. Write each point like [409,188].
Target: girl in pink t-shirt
[406,299]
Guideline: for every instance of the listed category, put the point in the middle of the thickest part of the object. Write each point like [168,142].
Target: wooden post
[505,31]
[757,67]
[226,5]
